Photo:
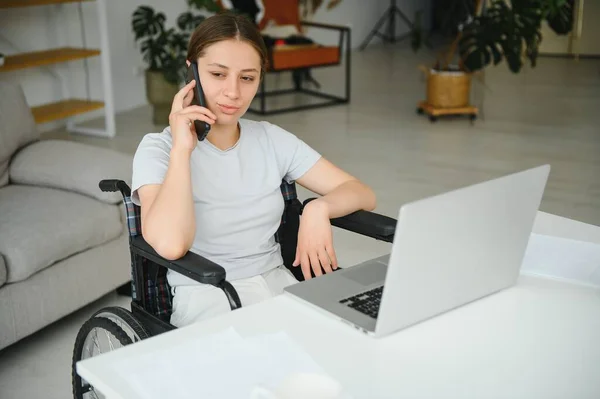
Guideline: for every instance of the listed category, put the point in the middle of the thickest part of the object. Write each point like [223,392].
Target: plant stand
[424,108]
[448,93]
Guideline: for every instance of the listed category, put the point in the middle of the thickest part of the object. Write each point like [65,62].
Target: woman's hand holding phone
[181,119]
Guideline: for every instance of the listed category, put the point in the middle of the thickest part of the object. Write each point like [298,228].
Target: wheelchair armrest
[340,28]
[366,223]
[369,224]
[190,265]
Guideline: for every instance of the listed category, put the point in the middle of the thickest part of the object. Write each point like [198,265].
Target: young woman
[220,197]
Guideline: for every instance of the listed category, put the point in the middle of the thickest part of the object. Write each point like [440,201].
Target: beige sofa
[63,242]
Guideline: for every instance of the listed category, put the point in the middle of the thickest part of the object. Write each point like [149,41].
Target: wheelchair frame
[205,271]
[151,303]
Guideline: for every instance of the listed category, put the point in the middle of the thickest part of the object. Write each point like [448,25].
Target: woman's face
[230,74]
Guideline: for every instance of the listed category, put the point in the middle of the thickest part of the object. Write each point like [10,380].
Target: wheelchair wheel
[124,319]
[107,330]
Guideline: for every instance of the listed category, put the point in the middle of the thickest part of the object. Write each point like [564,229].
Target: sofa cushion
[71,166]
[40,226]
[17,126]
[3,273]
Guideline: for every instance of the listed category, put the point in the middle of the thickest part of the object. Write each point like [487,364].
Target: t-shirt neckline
[227,150]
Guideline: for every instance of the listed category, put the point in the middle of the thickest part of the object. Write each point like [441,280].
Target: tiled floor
[546,115]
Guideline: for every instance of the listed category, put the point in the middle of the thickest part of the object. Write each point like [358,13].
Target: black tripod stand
[390,16]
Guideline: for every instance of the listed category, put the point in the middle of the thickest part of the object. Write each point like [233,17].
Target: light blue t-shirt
[237,199]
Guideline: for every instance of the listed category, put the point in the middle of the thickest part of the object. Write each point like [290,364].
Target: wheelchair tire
[94,323]
[124,317]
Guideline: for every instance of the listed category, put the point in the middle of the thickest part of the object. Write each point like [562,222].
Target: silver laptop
[448,250]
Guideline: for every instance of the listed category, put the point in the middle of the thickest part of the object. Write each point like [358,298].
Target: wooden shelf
[30,3]
[45,57]
[63,109]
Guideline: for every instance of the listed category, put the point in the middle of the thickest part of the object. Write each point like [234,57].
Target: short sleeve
[294,156]
[150,162]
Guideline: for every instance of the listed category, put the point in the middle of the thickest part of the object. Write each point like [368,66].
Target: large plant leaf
[208,5]
[179,42]
[483,38]
[509,31]
[188,21]
[172,62]
[146,22]
[153,52]
[560,15]
[174,69]
[528,19]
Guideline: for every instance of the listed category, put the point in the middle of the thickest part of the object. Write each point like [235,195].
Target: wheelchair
[151,298]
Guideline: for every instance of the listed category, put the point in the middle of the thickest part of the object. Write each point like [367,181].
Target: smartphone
[202,128]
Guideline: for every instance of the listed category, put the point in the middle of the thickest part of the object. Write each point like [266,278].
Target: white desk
[539,339]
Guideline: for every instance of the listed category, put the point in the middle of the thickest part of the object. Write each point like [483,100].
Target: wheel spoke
[110,343]
[96,342]
[116,330]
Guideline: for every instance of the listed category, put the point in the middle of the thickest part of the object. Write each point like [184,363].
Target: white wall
[362,16]
[36,28]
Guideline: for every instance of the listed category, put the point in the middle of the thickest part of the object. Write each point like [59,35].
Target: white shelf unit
[68,107]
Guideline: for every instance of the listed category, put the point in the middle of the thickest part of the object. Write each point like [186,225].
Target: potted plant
[164,51]
[486,32]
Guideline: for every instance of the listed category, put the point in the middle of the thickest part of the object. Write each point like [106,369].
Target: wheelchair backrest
[134,214]
[155,293]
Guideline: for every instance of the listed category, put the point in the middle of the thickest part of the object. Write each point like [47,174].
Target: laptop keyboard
[366,302]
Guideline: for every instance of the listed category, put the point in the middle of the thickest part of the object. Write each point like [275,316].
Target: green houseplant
[487,32]
[164,51]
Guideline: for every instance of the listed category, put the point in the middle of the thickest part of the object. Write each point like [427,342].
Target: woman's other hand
[315,241]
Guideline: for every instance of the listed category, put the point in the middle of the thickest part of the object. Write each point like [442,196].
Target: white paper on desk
[563,258]
[222,365]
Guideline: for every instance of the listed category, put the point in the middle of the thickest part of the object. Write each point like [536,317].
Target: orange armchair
[301,57]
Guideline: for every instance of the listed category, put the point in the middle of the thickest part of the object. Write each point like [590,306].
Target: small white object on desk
[563,259]
[563,249]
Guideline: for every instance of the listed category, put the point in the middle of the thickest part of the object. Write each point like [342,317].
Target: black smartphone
[202,128]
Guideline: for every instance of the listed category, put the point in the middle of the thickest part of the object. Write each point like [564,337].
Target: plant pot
[448,89]
[159,94]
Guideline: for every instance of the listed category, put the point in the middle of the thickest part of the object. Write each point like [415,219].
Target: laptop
[448,250]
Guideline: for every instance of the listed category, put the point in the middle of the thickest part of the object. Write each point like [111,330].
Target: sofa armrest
[70,166]
[366,223]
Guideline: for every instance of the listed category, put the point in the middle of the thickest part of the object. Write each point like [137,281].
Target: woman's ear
[187,62]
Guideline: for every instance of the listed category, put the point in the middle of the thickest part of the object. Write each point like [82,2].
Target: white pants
[192,303]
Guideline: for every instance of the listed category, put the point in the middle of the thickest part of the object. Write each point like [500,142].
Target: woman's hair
[226,26]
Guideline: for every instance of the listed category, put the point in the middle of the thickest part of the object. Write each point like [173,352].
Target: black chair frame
[263,93]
